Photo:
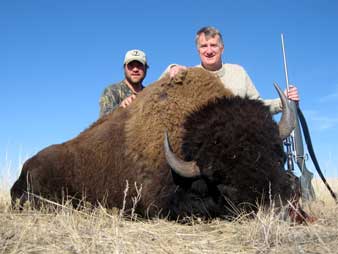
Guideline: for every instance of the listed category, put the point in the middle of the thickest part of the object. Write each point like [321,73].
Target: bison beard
[234,142]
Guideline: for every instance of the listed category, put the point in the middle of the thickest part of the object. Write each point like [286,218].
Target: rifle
[295,150]
[294,146]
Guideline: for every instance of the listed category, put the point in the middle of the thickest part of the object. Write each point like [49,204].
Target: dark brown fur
[127,145]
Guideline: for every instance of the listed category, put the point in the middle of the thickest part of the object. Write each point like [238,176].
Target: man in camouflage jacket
[123,93]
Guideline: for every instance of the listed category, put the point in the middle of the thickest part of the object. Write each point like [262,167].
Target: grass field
[106,231]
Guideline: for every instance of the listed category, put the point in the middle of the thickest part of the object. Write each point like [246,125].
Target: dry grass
[101,231]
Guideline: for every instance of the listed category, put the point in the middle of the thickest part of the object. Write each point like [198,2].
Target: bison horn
[287,122]
[181,167]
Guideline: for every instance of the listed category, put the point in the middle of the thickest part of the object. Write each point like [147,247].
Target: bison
[193,147]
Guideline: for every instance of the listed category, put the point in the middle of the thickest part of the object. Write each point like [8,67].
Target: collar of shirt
[219,73]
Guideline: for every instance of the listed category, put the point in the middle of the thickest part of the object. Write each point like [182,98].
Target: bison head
[233,157]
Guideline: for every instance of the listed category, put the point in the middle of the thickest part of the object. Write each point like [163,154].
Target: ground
[108,231]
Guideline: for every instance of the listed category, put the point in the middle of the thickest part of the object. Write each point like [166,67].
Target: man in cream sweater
[210,48]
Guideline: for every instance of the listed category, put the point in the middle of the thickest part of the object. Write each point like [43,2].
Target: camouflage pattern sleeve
[112,96]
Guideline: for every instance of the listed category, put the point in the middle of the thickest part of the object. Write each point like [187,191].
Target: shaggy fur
[234,141]
[239,144]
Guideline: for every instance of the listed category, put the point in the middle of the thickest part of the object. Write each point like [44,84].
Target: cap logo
[136,53]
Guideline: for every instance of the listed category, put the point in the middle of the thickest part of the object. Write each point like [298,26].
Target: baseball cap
[135,55]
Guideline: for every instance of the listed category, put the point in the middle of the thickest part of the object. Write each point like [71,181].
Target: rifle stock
[299,156]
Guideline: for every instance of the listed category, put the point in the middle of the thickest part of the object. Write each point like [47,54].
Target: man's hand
[176,69]
[127,101]
[292,94]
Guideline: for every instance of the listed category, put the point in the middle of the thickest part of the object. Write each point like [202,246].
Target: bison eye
[281,162]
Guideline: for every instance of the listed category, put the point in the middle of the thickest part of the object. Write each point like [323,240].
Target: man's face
[210,51]
[134,72]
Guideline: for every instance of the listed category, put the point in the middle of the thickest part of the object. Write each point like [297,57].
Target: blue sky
[56,57]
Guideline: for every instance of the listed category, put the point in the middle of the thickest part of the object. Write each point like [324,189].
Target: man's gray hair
[209,32]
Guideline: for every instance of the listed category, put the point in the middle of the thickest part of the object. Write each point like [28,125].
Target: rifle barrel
[289,140]
[285,64]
